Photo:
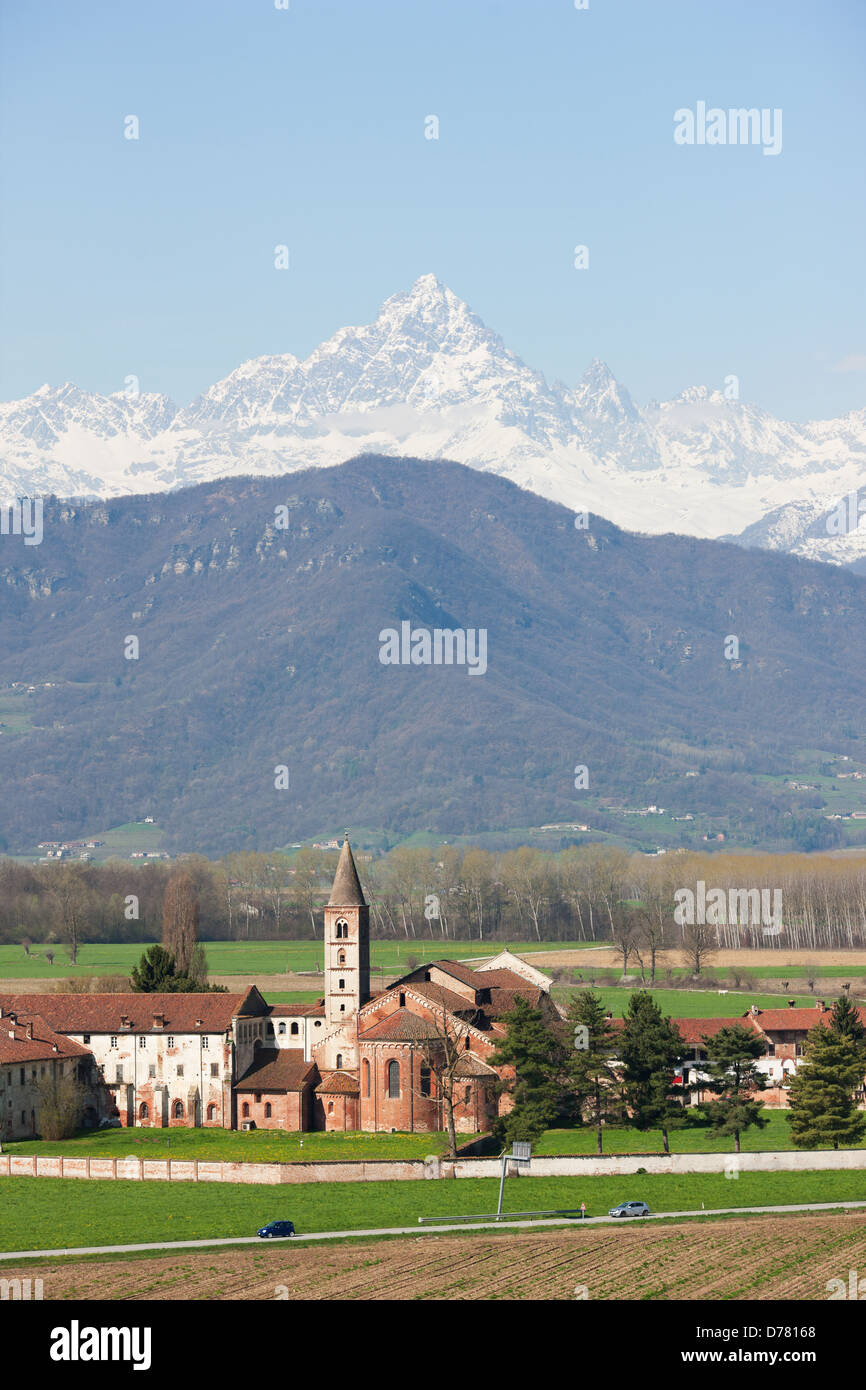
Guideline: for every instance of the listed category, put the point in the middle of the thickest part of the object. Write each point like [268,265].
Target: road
[421,1230]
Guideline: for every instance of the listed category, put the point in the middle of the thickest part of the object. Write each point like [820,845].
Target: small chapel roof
[346,890]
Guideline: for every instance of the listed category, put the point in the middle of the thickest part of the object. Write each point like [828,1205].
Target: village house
[783,1033]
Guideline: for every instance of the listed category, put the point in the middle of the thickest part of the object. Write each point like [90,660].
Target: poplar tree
[180,920]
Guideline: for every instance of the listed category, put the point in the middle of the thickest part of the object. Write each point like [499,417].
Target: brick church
[385,1062]
[351,1061]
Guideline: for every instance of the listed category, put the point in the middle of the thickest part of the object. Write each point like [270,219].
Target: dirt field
[603,957]
[758,1258]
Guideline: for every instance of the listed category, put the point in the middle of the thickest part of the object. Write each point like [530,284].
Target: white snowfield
[428,379]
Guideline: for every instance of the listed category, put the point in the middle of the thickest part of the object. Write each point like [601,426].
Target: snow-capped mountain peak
[428,378]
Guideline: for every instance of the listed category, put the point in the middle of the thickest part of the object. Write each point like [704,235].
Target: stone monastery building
[351,1061]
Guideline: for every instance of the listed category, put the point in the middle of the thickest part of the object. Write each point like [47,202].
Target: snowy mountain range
[428,379]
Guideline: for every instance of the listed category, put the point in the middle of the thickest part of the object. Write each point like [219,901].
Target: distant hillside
[259,646]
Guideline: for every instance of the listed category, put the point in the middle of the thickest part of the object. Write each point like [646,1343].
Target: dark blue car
[277,1229]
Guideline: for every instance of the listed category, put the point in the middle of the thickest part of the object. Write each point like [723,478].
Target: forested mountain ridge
[257,606]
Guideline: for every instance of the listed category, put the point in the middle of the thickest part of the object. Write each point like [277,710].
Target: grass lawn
[775,1137]
[46,1213]
[237,1146]
[278,1146]
[687,1003]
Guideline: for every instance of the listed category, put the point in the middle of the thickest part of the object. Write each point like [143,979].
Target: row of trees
[583,893]
[588,1072]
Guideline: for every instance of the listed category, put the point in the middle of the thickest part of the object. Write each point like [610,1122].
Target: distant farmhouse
[352,1061]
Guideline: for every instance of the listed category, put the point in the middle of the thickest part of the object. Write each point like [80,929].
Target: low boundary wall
[567,1166]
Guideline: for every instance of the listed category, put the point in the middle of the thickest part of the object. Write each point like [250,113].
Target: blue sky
[261,126]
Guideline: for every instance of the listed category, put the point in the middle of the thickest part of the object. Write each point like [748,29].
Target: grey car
[630,1209]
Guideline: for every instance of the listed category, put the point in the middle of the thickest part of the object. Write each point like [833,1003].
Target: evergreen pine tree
[155,972]
[650,1048]
[590,1068]
[735,1080]
[532,1053]
[846,1022]
[821,1094]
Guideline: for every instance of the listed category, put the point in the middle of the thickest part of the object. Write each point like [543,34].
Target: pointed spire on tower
[346,891]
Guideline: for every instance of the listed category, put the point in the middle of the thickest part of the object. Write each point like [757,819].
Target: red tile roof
[16,1044]
[277,1069]
[338,1083]
[438,994]
[485,979]
[402,1026]
[470,1065]
[461,972]
[796,1020]
[297,1010]
[501,1000]
[104,1013]
[503,977]
[692,1030]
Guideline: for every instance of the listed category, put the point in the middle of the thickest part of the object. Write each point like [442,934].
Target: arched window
[342,930]
[283,1028]
[267,1109]
[365,1074]
[211,1112]
[143,1111]
[342,984]
[468,1042]
[294,1030]
[330,1107]
[394,1080]
[467,1095]
[339,1061]
[425,1081]
[402,1001]
[178,1110]
[341,958]
[245,1111]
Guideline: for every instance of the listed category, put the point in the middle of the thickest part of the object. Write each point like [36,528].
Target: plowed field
[760,1258]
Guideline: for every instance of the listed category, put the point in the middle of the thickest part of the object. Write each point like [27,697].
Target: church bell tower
[347,943]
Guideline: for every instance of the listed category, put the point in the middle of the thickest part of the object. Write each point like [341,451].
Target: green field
[15,709]
[753,974]
[47,1213]
[255,1146]
[688,1003]
[253,958]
